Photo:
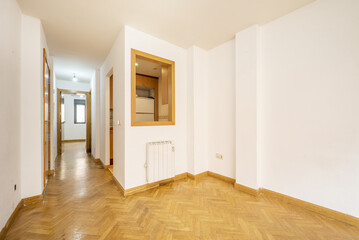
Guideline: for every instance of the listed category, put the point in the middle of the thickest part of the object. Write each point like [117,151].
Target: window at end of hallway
[62,110]
[80,111]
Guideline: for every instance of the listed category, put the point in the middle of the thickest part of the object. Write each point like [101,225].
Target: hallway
[72,207]
[81,202]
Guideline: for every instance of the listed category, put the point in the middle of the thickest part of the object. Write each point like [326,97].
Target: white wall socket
[219,156]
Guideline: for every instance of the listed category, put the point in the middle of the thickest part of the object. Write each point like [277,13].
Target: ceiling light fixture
[74,78]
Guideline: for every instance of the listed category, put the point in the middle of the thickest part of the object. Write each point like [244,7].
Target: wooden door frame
[45,62]
[88,118]
[111,109]
[106,161]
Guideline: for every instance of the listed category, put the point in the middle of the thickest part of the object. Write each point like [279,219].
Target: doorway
[73,118]
[46,116]
[111,122]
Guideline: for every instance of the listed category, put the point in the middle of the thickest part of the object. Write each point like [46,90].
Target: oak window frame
[171,86]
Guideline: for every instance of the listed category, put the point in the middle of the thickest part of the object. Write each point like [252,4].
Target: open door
[88,122]
[59,127]
[46,117]
[59,117]
[111,120]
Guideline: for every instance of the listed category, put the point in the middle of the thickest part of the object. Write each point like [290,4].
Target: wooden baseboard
[251,191]
[254,192]
[190,176]
[32,200]
[197,176]
[211,174]
[342,217]
[23,202]
[118,185]
[11,220]
[137,189]
[240,187]
[98,160]
[221,177]
[181,176]
[73,140]
[147,186]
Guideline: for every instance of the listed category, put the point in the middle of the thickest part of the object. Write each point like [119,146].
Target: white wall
[33,42]
[281,106]
[190,111]
[197,113]
[221,105]
[130,142]
[71,130]
[310,104]
[10,46]
[137,137]
[21,101]
[114,64]
[246,75]
[71,85]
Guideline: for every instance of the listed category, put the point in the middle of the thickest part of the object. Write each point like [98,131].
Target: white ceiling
[88,28]
[65,67]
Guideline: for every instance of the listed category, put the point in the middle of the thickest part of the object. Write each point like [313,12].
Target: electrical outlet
[219,156]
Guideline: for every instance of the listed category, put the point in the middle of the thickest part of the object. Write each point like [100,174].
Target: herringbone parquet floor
[82,203]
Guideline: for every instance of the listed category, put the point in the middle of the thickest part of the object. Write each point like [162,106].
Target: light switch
[118,123]
[219,156]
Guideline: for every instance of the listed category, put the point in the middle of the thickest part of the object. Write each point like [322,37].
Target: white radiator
[160,161]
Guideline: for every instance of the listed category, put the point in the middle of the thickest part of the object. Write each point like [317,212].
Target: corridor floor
[81,202]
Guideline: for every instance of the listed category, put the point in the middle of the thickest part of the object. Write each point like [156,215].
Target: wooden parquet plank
[82,202]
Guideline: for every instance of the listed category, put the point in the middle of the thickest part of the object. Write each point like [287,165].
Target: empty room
[179,119]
